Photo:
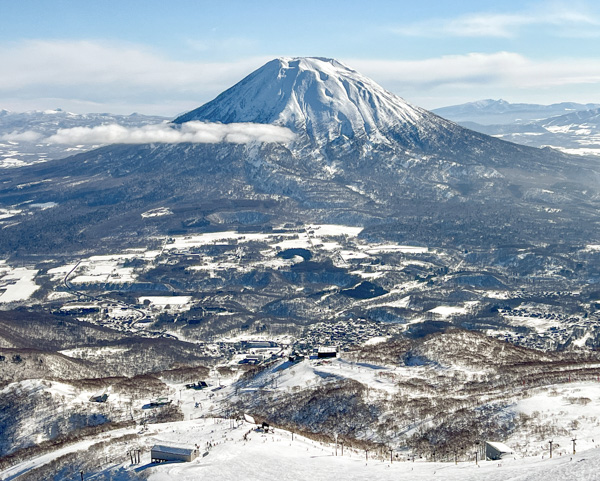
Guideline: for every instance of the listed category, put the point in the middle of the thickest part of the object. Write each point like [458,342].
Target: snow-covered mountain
[322,97]
[347,119]
[324,100]
[583,118]
[362,156]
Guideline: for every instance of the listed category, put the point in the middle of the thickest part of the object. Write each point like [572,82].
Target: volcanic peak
[318,96]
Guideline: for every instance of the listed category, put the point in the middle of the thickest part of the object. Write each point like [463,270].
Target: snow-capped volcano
[361,156]
[321,97]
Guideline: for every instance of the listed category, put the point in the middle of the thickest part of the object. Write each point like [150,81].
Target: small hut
[159,402]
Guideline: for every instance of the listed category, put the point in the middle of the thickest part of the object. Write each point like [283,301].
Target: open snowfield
[313,234]
[377,249]
[573,406]
[8,213]
[97,269]
[102,269]
[16,284]
[447,311]
[158,212]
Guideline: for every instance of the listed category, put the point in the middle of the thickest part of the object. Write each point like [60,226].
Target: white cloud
[69,63]
[27,136]
[565,19]
[113,74]
[223,45]
[192,132]
[507,69]
[87,76]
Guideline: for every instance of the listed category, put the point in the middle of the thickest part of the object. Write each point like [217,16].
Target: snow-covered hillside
[275,457]
[236,448]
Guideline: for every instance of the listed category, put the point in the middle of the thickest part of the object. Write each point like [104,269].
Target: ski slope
[276,457]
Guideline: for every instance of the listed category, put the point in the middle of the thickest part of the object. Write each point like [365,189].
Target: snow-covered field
[8,213]
[16,284]
[448,311]
[102,269]
[575,407]
[158,212]
[287,240]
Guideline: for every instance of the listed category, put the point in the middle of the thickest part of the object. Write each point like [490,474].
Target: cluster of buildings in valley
[549,330]
[318,341]
[343,333]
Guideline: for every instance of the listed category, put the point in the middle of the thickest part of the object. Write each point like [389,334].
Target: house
[253,360]
[326,352]
[197,386]
[161,401]
[295,357]
[161,454]
[258,344]
[496,451]
[99,398]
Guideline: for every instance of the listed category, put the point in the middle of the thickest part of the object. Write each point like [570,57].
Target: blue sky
[168,57]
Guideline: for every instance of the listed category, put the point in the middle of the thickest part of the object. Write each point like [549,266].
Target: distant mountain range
[23,134]
[570,127]
[492,112]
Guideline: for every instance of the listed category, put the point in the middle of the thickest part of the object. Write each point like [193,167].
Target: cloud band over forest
[190,132]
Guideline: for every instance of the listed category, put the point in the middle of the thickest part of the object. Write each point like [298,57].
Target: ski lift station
[496,451]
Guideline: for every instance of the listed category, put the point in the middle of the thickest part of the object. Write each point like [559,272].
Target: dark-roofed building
[258,344]
[197,386]
[161,453]
[99,398]
[326,352]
